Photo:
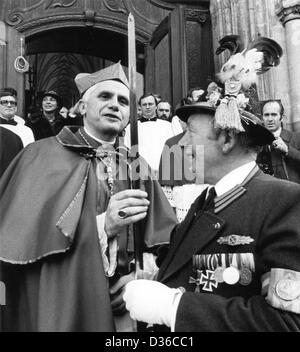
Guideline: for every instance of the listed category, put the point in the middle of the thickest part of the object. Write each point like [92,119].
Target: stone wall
[288,12]
[253,18]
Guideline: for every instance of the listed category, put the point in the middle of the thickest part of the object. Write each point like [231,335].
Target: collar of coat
[211,226]
[286,135]
[69,137]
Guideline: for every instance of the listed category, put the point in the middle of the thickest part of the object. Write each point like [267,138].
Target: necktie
[264,160]
[209,201]
[206,201]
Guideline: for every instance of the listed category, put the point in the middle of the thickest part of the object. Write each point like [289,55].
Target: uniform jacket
[50,257]
[266,214]
[284,167]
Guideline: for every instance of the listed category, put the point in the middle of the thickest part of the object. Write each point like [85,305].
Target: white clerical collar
[277,133]
[234,178]
[99,140]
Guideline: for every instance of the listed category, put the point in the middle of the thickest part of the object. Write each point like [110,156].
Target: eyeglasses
[6,102]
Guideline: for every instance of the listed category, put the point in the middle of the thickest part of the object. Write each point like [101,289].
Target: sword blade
[132,80]
[137,228]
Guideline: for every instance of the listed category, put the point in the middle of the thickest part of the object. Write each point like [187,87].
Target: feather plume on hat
[242,67]
[239,72]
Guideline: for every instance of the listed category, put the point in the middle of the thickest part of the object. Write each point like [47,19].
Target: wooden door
[180,55]
[165,72]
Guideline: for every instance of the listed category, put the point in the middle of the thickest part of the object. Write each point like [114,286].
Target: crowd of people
[216,246]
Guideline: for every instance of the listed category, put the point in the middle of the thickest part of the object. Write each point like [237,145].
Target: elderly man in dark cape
[63,269]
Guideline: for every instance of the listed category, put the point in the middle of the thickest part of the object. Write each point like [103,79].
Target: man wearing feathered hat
[233,263]
[66,206]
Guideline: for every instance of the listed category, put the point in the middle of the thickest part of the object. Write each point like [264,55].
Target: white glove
[151,302]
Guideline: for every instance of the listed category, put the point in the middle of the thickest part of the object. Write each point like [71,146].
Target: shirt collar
[277,133]
[234,178]
[99,140]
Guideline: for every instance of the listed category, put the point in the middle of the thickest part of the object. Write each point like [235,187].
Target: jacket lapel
[180,230]
[206,226]
[286,136]
[188,242]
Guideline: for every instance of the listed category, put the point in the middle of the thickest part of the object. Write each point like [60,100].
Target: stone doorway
[174,44]
[56,56]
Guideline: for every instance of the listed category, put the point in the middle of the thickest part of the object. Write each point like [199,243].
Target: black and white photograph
[150,169]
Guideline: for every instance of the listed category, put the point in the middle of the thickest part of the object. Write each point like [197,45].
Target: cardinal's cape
[50,259]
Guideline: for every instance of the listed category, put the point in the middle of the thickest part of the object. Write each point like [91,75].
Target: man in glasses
[8,118]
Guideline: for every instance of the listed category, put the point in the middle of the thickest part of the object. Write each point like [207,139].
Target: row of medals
[233,275]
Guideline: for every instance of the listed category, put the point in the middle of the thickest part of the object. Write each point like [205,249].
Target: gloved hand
[151,301]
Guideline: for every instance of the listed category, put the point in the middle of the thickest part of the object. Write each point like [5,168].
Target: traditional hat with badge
[237,74]
[85,81]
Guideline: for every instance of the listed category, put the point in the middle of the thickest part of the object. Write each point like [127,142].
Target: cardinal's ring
[122,214]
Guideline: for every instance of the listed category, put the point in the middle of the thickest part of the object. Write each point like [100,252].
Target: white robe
[24,132]
[152,137]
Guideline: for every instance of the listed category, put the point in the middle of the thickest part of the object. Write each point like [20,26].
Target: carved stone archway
[42,15]
[33,18]
[183,23]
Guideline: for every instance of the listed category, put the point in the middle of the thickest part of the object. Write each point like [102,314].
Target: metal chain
[107,160]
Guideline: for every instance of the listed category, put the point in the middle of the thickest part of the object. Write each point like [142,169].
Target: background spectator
[164,111]
[9,119]
[48,122]
[148,104]
[153,132]
[282,158]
